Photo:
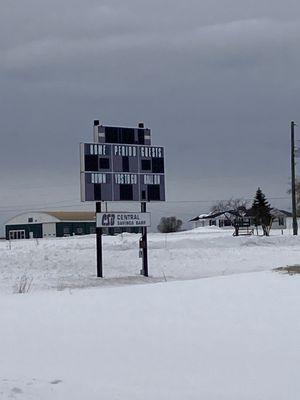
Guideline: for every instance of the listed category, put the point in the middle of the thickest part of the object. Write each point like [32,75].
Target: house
[280,218]
[47,224]
[226,219]
[209,219]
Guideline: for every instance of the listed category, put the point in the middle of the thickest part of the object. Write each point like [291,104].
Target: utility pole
[294,205]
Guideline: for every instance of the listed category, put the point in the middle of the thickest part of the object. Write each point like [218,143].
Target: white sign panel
[123,219]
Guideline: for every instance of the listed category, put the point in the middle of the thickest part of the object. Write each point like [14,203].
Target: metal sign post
[144,244]
[99,244]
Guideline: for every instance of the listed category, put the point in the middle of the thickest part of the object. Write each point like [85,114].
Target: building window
[227,222]
[66,230]
[13,235]
[92,229]
[79,231]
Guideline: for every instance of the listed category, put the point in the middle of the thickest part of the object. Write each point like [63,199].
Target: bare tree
[231,204]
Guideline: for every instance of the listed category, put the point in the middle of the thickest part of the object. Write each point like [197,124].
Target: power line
[40,207]
[39,204]
[216,200]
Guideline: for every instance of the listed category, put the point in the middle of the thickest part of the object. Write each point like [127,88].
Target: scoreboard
[122,165]
[122,135]
[122,172]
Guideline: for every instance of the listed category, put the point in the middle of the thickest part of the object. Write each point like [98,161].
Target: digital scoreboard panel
[121,135]
[122,172]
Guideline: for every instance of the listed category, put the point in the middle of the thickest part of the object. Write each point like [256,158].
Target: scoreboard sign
[122,165]
[122,172]
[122,219]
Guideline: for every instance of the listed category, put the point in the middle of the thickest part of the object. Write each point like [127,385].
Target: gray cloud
[217,85]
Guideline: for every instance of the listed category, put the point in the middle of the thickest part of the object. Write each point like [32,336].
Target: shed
[41,224]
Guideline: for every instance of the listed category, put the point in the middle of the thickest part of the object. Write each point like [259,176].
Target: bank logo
[108,219]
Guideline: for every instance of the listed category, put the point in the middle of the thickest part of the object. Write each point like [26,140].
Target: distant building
[47,224]
[41,224]
[226,220]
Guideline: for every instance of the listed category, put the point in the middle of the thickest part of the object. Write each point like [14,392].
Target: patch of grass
[289,269]
[23,284]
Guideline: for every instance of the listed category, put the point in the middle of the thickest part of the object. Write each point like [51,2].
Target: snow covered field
[233,337]
[221,338]
[70,262]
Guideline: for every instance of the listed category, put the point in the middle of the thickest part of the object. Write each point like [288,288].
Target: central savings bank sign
[123,219]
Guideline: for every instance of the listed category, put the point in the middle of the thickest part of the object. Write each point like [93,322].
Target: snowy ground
[233,337]
[70,262]
[221,338]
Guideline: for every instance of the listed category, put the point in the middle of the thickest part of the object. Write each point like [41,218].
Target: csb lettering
[108,219]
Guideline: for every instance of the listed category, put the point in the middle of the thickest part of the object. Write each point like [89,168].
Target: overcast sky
[217,82]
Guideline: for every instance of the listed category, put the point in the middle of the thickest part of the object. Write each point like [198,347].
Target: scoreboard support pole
[99,244]
[145,244]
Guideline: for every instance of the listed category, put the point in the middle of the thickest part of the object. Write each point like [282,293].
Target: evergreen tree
[261,212]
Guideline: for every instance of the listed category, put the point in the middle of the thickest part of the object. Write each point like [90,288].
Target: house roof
[212,215]
[286,213]
[73,215]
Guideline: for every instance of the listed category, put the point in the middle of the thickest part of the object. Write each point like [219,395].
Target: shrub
[169,224]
